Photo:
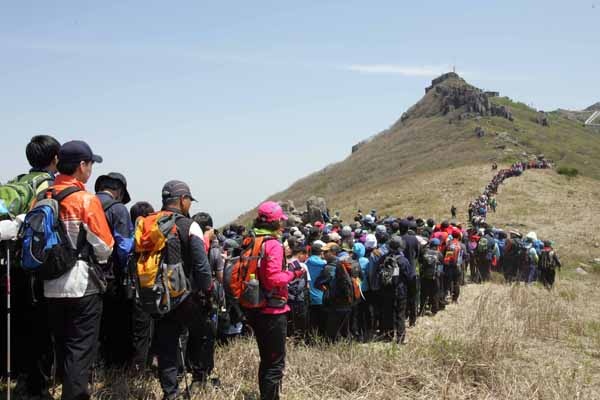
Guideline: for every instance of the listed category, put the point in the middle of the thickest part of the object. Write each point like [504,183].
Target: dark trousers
[75,323]
[297,319]
[366,321]
[452,276]
[375,302]
[429,295]
[338,323]
[394,318]
[200,353]
[317,318]
[548,275]
[142,330]
[270,333]
[31,343]
[412,302]
[115,327]
[191,316]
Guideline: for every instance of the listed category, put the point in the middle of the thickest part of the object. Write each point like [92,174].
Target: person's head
[42,153]
[370,242]
[140,209]
[430,222]
[547,243]
[359,250]
[270,217]
[177,195]
[115,184]
[434,243]
[404,226]
[204,220]
[331,251]
[396,244]
[445,224]
[75,158]
[299,252]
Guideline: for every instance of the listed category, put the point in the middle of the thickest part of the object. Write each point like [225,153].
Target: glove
[9,230]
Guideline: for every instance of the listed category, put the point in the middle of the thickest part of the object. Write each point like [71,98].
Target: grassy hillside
[431,158]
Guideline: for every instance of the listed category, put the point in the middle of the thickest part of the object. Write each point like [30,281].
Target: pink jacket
[273,276]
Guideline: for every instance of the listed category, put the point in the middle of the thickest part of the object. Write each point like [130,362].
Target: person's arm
[123,234]
[216,262]
[98,233]
[272,263]
[200,268]
[556,259]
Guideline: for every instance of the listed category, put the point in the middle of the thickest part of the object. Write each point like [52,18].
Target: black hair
[41,151]
[270,226]
[140,209]
[204,220]
[110,184]
[67,168]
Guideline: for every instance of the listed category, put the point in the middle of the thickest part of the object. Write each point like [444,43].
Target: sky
[241,98]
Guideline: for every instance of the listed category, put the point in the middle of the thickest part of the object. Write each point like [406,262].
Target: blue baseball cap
[76,151]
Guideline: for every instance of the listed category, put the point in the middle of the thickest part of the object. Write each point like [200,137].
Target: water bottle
[251,294]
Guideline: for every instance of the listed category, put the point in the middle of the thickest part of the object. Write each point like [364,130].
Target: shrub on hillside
[568,171]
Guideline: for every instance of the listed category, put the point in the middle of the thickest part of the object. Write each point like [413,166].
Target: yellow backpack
[160,277]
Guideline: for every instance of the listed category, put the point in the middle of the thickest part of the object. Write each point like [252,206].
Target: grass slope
[499,342]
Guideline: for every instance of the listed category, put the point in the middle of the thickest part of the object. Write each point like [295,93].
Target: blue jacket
[315,264]
[359,253]
[121,227]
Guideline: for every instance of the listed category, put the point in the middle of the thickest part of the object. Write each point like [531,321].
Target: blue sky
[221,94]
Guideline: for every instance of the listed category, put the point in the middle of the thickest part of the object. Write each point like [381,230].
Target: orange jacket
[80,210]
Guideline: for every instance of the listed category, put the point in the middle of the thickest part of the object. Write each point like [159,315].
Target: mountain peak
[594,107]
[450,95]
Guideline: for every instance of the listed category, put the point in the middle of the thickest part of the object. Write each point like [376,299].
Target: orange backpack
[245,269]
[452,253]
[158,266]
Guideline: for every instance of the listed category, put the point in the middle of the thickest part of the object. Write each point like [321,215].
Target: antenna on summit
[454,68]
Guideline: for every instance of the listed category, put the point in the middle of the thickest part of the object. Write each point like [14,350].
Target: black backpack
[340,290]
[429,264]
[297,287]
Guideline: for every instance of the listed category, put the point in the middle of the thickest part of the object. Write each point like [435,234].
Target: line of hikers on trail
[97,286]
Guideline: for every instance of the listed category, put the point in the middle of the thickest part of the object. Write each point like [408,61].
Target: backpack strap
[63,194]
[106,205]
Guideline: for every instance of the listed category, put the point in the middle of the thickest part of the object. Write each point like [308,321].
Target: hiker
[298,293]
[190,310]
[430,263]
[268,318]
[142,323]
[411,251]
[31,345]
[532,259]
[336,284]
[453,211]
[364,312]
[548,263]
[395,274]
[452,269]
[315,264]
[74,297]
[115,327]
[205,336]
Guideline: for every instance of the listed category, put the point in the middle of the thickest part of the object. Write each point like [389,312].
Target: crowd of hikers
[95,285]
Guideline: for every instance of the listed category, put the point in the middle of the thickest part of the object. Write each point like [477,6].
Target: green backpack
[17,195]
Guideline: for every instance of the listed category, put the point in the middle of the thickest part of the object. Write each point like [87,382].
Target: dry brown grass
[499,342]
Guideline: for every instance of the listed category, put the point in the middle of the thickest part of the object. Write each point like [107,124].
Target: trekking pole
[187,387]
[8,372]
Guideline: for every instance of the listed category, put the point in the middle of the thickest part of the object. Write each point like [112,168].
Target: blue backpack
[47,250]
